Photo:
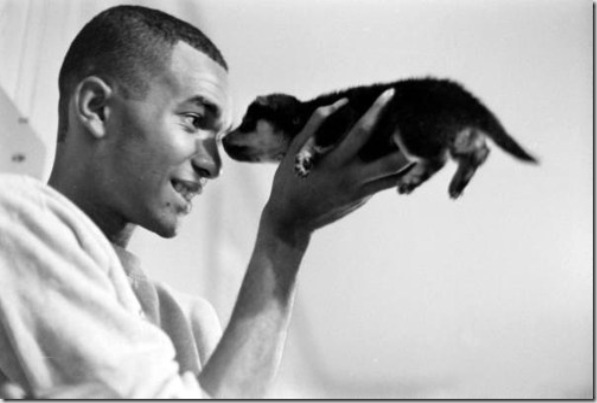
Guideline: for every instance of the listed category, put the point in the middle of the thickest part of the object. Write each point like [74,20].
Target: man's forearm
[248,355]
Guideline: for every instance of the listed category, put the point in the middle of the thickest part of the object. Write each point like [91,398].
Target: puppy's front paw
[406,188]
[303,163]
[409,182]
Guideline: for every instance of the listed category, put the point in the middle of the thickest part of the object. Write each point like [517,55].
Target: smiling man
[156,150]
[144,100]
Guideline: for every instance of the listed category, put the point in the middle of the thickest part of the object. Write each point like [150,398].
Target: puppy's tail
[498,134]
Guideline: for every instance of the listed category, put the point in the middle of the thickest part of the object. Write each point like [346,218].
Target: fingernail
[341,102]
[389,93]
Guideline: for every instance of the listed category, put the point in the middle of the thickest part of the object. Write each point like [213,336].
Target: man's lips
[187,189]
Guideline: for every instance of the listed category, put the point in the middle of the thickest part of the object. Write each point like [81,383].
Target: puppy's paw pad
[407,185]
[303,164]
[300,171]
[404,189]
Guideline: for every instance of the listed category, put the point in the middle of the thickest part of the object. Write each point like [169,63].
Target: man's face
[161,150]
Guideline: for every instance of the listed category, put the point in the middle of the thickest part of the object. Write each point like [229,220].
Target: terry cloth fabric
[71,325]
[178,315]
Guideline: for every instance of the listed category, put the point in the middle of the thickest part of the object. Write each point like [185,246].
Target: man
[144,99]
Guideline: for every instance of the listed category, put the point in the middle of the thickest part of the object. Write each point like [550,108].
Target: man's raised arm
[248,355]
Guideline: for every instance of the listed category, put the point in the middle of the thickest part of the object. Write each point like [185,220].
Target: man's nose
[206,161]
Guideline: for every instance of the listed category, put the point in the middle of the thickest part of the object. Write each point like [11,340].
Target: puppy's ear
[91,104]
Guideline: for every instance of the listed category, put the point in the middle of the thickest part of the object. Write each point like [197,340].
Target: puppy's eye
[247,125]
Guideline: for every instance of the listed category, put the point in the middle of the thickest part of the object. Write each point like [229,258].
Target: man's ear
[91,102]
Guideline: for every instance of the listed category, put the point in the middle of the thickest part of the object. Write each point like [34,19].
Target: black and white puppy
[428,119]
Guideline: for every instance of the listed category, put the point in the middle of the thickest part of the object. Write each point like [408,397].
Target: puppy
[428,119]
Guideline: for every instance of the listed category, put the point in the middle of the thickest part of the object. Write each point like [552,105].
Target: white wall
[420,296]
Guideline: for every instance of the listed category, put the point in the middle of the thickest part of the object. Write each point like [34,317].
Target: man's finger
[313,124]
[385,182]
[384,166]
[363,130]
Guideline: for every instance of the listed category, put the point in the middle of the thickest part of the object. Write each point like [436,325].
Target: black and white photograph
[299,199]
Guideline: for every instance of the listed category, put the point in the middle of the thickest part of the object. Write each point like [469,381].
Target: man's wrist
[291,234]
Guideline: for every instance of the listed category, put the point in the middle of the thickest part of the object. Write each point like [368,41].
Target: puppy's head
[267,128]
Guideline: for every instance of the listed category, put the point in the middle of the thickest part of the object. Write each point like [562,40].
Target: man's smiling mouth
[187,189]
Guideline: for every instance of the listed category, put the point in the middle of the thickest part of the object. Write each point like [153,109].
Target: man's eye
[195,120]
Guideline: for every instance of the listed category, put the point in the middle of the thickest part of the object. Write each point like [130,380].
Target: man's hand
[339,184]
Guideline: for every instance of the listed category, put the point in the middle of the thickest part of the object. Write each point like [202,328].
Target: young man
[144,100]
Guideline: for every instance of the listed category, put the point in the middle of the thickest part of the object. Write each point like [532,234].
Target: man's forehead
[198,78]
[187,60]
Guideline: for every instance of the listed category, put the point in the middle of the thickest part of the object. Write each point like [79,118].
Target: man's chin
[165,229]
[168,235]
[168,232]
[163,222]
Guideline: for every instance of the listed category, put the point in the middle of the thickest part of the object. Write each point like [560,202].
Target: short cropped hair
[126,45]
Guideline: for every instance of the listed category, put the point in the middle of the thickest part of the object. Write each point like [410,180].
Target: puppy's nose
[234,149]
[239,153]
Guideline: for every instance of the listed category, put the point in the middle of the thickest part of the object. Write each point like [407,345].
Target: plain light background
[490,296]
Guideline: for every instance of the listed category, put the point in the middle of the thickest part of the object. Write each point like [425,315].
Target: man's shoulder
[28,205]
[24,198]
[22,191]
[22,195]
[14,185]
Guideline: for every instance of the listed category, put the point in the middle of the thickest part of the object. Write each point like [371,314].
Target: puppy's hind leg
[469,151]
[420,170]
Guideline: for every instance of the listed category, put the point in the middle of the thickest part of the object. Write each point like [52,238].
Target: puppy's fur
[428,119]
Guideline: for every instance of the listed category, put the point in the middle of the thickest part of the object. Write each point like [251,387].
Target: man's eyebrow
[202,101]
[213,108]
